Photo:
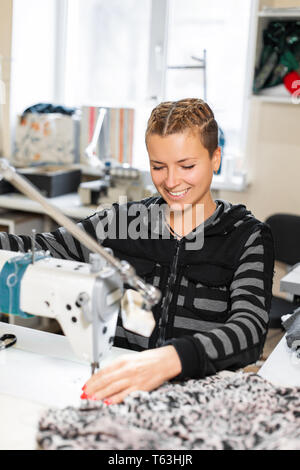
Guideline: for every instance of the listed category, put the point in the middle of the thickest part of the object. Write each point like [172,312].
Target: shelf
[235,183]
[277,94]
[282,13]
[273,99]
[69,204]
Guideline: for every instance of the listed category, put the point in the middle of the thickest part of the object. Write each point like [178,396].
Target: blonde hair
[171,117]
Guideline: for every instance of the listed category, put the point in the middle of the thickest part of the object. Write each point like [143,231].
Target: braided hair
[192,114]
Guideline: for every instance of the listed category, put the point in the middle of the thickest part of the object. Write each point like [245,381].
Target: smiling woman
[216,295]
[182,142]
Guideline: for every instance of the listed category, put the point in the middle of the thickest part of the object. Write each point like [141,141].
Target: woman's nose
[171,179]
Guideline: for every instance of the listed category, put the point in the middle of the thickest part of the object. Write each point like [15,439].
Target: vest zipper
[167,298]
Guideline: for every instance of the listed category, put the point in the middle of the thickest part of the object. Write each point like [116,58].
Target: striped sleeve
[240,340]
[60,243]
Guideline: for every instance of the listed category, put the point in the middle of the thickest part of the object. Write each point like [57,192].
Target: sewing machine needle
[94,367]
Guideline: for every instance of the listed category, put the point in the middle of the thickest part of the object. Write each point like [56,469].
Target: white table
[282,366]
[69,204]
[38,372]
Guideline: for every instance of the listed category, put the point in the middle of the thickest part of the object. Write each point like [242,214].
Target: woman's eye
[188,167]
[157,167]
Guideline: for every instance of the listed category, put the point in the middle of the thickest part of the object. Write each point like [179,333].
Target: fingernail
[84,396]
[108,402]
[84,387]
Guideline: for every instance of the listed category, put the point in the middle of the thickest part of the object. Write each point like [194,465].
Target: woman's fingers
[112,389]
[119,397]
[105,376]
[145,371]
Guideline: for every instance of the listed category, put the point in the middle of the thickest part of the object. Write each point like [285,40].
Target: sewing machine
[85,298]
[121,180]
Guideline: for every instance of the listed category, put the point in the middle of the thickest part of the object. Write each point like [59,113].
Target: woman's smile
[177,194]
[182,169]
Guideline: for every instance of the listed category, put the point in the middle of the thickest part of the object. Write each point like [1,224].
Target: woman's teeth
[178,193]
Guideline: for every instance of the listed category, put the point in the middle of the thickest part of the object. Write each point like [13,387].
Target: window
[120,53]
[107,51]
[33,61]
[107,58]
[222,32]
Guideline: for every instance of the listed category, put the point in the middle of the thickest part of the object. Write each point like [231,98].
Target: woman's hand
[146,371]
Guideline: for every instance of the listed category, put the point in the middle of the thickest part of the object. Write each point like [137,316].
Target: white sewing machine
[121,180]
[85,298]
[72,293]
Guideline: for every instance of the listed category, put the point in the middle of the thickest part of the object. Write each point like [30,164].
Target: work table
[41,371]
[38,372]
[69,204]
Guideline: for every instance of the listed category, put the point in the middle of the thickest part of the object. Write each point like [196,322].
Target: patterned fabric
[46,138]
[237,411]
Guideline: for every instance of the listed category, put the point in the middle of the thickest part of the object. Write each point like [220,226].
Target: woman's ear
[216,159]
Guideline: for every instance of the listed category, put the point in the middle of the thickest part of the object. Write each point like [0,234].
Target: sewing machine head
[84,298]
[122,180]
[36,284]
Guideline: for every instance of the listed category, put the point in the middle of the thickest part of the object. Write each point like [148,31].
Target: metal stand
[201,66]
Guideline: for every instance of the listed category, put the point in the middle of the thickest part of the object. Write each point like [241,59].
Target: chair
[286,232]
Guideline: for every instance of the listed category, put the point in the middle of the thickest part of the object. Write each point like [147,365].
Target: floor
[273,338]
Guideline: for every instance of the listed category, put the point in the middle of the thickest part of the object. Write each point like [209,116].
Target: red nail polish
[107,402]
[84,396]
[84,387]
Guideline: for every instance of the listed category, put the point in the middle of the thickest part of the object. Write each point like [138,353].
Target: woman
[212,261]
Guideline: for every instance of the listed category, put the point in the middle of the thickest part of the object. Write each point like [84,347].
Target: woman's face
[181,168]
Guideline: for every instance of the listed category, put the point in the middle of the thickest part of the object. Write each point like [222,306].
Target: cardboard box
[53,181]
[6,187]
[50,181]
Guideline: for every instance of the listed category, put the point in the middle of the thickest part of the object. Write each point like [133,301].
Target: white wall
[273,155]
[273,160]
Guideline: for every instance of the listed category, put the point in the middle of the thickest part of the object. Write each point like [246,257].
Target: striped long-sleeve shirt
[216,295]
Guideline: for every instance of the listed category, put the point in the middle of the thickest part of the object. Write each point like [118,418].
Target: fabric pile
[280,56]
[240,411]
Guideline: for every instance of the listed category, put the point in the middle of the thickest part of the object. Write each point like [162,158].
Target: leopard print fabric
[239,411]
